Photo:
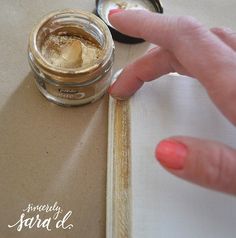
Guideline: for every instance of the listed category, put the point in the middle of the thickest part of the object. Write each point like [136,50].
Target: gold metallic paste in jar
[71,54]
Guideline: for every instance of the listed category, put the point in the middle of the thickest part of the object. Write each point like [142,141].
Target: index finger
[187,38]
[198,50]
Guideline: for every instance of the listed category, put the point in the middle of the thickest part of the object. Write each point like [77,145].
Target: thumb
[207,163]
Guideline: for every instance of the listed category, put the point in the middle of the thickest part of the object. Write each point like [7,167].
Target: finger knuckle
[188,24]
[216,167]
[220,32]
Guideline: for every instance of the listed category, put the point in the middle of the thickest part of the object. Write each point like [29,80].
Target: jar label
[70,93]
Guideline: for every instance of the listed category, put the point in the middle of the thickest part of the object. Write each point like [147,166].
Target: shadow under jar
[71,53]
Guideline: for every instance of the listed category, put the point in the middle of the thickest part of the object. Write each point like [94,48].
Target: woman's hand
[185,46]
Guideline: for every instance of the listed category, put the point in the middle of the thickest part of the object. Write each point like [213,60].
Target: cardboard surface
[49,153]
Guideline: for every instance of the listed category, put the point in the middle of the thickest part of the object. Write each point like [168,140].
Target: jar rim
[107,49]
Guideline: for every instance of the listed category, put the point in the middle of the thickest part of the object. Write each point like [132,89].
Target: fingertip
[115,11]
[222,30]
[207,163]
[116,96]
[112,88]
[133,76]
[113,94]
[171,154]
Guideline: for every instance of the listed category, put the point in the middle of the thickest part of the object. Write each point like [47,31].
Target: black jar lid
[104,6]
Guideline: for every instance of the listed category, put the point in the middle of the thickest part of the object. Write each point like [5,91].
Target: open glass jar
[71,53]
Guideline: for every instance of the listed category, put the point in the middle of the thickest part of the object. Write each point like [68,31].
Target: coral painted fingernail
[171,154]
[114,11]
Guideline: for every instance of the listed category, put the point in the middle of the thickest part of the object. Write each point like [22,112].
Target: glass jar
[67,84]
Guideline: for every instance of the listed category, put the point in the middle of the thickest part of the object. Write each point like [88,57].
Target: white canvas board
[162,204]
